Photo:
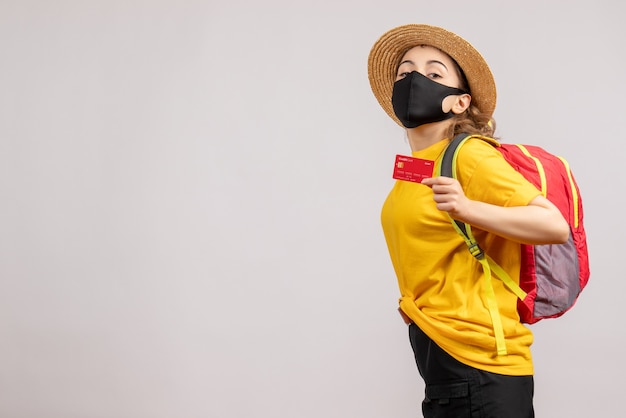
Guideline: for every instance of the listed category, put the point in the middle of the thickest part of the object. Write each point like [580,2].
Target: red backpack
[552,276]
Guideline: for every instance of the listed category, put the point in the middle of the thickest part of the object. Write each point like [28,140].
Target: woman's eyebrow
[429,62]
[438,62]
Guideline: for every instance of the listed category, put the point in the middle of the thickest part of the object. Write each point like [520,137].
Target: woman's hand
[449,195]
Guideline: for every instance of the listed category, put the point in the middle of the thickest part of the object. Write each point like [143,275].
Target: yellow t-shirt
[441,284]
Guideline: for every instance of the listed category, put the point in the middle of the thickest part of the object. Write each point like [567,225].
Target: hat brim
[386,53]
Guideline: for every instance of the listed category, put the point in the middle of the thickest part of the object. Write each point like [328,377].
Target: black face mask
[417,100]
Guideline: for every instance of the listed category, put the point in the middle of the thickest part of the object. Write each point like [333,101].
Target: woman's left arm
[540,222]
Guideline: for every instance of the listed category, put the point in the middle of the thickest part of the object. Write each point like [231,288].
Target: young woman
[436,85]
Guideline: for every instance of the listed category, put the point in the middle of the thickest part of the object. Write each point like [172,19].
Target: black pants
[455,390]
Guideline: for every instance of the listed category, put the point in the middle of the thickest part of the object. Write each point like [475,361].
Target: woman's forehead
[427,51]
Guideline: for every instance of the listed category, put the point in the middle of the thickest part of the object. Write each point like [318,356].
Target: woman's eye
[434,75]
[403,74]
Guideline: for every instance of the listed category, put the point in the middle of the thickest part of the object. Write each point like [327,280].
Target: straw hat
[387,52]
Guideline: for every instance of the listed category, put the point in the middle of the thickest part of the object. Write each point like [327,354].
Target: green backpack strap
[447,168]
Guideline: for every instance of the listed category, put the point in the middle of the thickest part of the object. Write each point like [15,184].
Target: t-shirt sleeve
[486,176]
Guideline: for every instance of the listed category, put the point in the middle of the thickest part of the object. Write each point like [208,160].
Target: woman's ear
[461,104]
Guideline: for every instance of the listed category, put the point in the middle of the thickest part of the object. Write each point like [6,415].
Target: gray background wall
[191,191]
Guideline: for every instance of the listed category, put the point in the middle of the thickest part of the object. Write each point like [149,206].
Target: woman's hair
[472,122]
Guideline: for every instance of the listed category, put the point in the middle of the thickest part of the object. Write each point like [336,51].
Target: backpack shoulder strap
[448,161]
[447,168]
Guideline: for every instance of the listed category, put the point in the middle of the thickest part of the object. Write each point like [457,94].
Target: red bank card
[412,169]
